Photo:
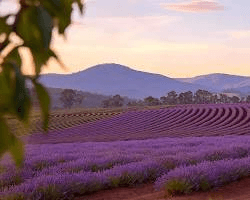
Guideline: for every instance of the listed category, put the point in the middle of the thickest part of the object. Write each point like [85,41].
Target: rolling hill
[111,79]
[222,82]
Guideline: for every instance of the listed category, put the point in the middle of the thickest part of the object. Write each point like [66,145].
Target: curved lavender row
[242,117]
[169,124]
[246,120]
[218,125]
[235,117]
[203,176]
[213,112]
[189,120]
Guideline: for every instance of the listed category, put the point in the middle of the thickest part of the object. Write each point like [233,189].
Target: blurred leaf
[5,92]
[53,54]
[9,142]
[34,26]
[80,6]
[8,72]
[21,98]
[4,44]
[4,137]
[44,101]
[4,27]
[45,24]
[65,15]
[61,10]
[14,57]
[53,7]
[17,150]
[40,58]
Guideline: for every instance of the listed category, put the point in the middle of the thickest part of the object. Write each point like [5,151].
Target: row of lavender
[63,171]
[191,120]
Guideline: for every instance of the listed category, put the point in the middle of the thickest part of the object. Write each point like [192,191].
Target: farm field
[179,121]
[177,150]
[63,118]
[66,118]
[64,171]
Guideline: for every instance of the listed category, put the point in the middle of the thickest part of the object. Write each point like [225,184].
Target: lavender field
[63,171]
[66,166]
[179,121]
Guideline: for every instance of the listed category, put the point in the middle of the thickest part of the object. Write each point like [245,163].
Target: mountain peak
[109,66]
[112,79]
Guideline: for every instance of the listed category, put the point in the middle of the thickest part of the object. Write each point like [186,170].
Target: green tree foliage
[224,98]
[202,96]
[235,99]
[188,97]
[248,99]
[134,103]
[181,98]
[115,101]
[172,98]
[33,25]
[70,97]
[163,100]
[151,101]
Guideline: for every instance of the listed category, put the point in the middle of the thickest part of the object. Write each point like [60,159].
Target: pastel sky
[176,38]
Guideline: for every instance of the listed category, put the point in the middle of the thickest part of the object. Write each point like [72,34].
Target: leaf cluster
[31,28]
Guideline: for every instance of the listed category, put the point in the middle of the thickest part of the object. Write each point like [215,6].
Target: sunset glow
[174,38]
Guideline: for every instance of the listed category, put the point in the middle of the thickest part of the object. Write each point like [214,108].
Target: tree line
[172,98]
[199,97]
[70,97]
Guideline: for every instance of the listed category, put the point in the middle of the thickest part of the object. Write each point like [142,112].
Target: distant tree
[118,101]
[242,99]
[214,98]
[163,100]
[202,96]
[235,99]
[151,101]
[133,103]
[67,97]
[185,98]
[248,99]
[181,98]
[198,97]
[106,103]
[188,97]
[70,97]
[172,98]
[115,101]
[79,98]
[224,98]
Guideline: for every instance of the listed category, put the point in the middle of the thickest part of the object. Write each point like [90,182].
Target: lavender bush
[204,176]
[57,171]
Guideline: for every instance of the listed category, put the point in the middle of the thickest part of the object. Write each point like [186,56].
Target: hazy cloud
[127,26]
[233,34]
[240,34]
[195,6]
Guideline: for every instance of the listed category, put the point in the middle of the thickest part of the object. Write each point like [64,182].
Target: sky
[176,38]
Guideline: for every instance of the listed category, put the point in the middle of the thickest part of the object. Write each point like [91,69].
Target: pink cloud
[195,6]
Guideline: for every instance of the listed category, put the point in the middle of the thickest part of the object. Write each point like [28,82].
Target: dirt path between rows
[239,190]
